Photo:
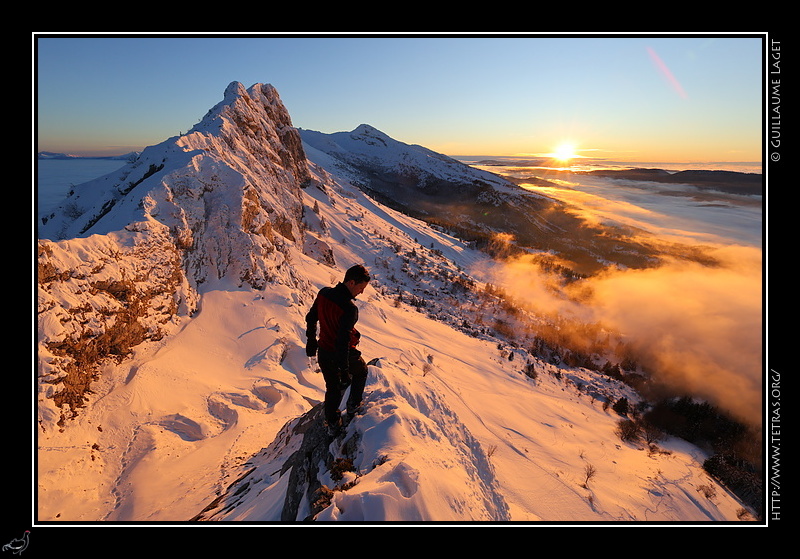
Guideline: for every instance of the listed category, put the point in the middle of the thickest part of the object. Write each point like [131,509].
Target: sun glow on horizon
[565,151]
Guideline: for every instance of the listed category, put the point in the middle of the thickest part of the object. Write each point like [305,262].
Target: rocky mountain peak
[125,256]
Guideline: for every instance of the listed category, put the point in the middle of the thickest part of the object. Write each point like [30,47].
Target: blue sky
[632,98]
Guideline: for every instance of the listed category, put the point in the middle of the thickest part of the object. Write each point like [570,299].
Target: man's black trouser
[336,382]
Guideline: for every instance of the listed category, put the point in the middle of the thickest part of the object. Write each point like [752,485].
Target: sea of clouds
[699,324]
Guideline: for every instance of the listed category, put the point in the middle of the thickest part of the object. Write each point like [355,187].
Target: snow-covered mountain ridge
[490,211]
[174,384]
[424,168]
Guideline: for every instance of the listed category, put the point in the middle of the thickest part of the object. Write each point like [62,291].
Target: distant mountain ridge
[130,156]
[732,182]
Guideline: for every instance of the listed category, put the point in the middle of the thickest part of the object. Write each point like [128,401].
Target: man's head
[356,279]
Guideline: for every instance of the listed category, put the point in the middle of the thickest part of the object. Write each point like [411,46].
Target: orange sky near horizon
[629,98]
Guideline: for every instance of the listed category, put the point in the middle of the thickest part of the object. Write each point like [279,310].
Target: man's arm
[311,330]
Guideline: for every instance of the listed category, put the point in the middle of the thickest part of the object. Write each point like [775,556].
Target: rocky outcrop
[305,452]
[124,258]
[97,301]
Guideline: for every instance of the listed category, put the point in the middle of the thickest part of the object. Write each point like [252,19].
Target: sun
[565,152]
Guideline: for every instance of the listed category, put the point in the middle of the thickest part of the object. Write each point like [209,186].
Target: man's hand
[311,347]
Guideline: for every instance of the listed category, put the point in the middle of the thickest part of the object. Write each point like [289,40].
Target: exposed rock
[222,202]
[317,453]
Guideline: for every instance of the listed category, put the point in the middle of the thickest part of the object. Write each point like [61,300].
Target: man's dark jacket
[337,315]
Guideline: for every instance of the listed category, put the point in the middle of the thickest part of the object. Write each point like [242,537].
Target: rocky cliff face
[124,258]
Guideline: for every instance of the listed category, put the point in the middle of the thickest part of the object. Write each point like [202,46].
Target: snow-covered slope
[174,383]
[366,145]
[488,210]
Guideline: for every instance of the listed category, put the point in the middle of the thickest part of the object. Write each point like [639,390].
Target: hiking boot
[334,426]
[353,410]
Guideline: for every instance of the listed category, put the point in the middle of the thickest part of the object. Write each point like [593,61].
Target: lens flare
[673,81]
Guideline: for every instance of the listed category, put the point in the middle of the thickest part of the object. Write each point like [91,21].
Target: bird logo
[18,545]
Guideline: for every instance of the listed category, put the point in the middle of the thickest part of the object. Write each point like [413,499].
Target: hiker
[339,359]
